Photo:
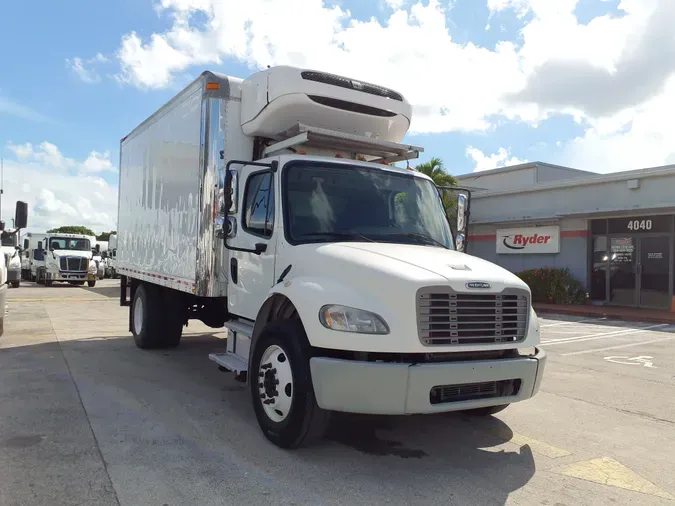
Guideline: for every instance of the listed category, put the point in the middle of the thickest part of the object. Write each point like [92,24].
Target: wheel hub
[275,383]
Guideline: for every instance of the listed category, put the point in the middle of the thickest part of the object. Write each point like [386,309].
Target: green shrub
[553,286]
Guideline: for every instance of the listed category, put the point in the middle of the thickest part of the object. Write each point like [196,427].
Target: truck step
[229,361]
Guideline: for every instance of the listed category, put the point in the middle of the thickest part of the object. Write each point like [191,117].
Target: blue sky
[481,75]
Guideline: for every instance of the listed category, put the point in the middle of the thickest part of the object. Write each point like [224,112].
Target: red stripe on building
[568,234]
[488,237]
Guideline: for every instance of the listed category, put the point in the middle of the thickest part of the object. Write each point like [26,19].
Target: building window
[259,204]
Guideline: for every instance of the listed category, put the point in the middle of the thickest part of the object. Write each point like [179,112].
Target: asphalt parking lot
[87,418]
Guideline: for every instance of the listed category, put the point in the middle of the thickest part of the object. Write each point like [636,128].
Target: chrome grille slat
[448,318]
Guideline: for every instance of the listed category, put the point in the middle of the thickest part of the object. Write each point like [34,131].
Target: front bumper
[403,389]
[70,276]
[13,275]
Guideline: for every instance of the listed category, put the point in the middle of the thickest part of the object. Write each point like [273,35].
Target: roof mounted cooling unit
[277,99]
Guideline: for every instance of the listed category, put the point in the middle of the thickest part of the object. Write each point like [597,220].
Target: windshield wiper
[411,235]
[339,235]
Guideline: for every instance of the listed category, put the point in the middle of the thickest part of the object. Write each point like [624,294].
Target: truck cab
[68,259]
[337,273]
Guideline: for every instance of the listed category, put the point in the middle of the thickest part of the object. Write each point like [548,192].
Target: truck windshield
[69,243]
[329,203]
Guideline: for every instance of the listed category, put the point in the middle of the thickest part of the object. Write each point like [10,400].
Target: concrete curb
[613,313]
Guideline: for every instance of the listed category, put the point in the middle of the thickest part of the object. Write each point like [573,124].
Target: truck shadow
[175,406]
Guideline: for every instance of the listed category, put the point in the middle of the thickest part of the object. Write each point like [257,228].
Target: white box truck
[270,206]
[33,260]
[11,257]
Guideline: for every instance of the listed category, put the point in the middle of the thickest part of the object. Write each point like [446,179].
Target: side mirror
[231,191]
[462,211]
[2,225]
[21,215]
[460,242]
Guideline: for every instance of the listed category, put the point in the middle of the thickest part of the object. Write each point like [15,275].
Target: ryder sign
[530,240]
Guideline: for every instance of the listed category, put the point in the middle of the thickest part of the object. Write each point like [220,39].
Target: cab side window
[258,217]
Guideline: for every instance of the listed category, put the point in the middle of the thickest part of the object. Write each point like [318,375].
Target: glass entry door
[623,271]
[654,272]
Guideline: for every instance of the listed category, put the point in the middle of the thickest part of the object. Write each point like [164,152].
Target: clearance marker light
[212,86]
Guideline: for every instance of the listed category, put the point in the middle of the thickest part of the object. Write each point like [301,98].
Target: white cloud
[84,68]
[98,162]
[502,158]
[603,73]
[22,151]
[49,155]
[56,197]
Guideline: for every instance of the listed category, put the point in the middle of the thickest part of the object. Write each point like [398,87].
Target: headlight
[349,319]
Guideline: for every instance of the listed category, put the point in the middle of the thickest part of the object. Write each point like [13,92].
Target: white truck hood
[410,259]
[72,253]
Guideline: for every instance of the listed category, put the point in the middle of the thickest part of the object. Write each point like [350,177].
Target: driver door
[253,227]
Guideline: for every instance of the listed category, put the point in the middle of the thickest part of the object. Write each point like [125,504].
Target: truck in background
[20,222]
[97,256]
[32,257]
[270,206]
[111,260]
[11,252]
[68,259]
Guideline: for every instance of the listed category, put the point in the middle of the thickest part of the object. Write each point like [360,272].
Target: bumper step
[229,361]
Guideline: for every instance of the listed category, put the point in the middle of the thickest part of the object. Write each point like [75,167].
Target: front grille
[73,264]
[471,391]
[448,318]
[344,82]
[351,106]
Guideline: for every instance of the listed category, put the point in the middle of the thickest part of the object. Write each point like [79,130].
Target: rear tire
[487,411]
[154,319]
[48,283]
[292,419]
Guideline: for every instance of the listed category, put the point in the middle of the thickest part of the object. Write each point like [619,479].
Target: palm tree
[435,170]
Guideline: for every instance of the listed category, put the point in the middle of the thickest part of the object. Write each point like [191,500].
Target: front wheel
[487,411]
[16,284]
[281,387]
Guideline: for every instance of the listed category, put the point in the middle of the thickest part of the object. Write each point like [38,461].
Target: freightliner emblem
[478,284]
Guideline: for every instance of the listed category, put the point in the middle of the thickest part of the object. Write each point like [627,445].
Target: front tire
[91,284]
[281,387]
[16,284]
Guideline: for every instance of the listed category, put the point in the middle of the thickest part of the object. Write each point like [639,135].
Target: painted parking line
[617,347]
[602,335]
[569,322]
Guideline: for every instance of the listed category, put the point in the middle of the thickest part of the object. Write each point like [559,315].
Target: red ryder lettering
[524,240]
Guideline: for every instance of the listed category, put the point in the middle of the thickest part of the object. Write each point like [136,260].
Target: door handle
[234,270]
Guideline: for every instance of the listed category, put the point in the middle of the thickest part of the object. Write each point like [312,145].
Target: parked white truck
[68,259]
[270,206]
[9,253]
[32,259]
[112,253]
